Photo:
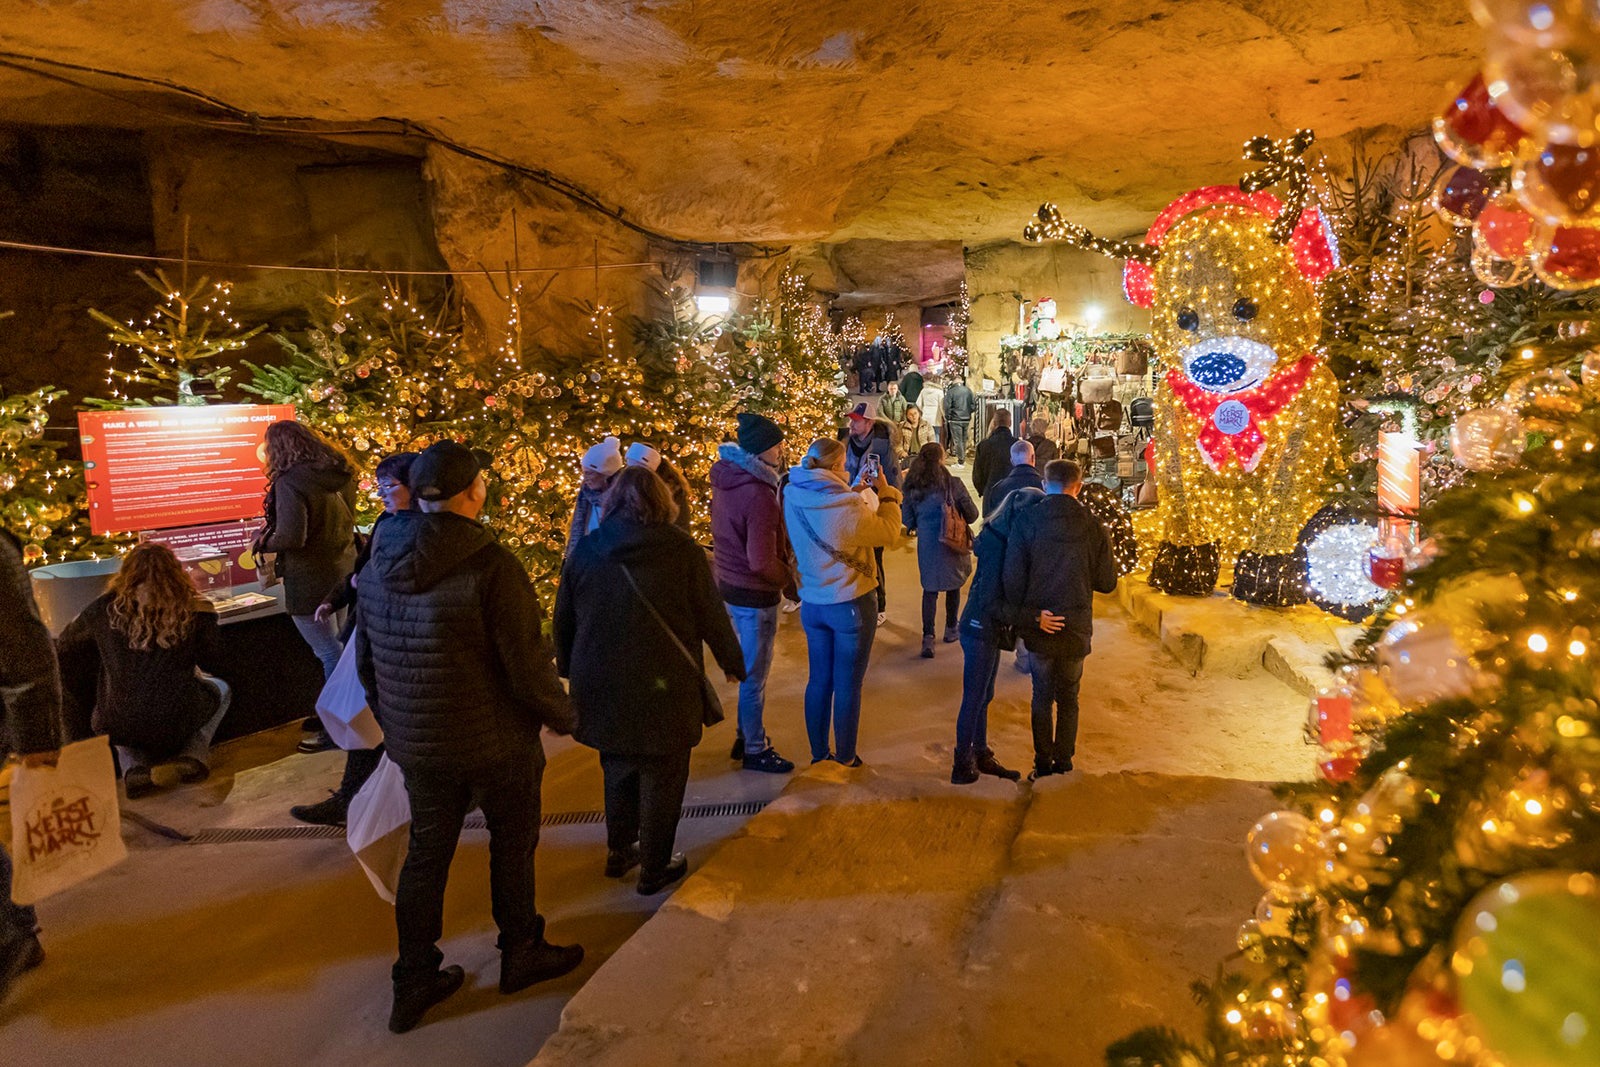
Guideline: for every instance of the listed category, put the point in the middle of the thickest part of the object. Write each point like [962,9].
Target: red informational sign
[155,468]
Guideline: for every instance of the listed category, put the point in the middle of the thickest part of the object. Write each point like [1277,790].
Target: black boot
[619,861]
[987,764]
[330,812]
[536,960]
[965,768]
[413,999]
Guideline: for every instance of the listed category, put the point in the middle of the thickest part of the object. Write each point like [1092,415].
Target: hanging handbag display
[711,712]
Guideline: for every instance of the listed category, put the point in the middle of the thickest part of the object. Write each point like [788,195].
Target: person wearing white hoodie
[833,527]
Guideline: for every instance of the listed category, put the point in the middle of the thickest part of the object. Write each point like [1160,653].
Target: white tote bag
[66,826]
[342,706]
[378,827]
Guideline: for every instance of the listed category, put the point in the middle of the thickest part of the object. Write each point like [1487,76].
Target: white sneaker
[883,617]
[791,606]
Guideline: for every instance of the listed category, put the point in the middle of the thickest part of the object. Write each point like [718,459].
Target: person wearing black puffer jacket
[450,651]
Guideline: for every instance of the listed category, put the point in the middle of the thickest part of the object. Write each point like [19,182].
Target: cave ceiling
[833,121]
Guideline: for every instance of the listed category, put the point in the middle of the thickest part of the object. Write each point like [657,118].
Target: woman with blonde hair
[834,527]
[311,530]
[137,657]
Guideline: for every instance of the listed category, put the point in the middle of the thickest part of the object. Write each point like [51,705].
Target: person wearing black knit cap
[754,565]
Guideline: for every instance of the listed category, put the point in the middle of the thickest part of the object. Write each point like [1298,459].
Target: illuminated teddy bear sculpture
[1246,409]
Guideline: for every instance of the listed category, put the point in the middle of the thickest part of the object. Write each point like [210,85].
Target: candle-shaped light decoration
[1399,474]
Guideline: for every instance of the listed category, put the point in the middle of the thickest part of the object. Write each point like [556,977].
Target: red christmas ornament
[1567,257]
[1475,133]
[1462,196]
[1386,568]
[1339,768]
[1560,183]
[1505,227]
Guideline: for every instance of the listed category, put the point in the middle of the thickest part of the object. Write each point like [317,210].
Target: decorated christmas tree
[41,493]
[174,356]
[1435,897]
[792,364]
[955,352]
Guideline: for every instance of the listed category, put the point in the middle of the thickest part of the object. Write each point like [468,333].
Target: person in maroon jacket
[753,566]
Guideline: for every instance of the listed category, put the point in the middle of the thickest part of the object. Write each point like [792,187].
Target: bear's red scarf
[1236,431]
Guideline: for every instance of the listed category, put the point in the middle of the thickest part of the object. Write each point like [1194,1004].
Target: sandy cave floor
[876,917]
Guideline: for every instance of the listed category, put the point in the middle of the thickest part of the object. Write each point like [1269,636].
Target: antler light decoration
[1052,227]
[1285,163]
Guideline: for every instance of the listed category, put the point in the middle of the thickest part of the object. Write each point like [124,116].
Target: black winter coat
[911,386]
[311,525]
[960,403]
[1057,557]
[987,613]
[450,649]
[635,691]
[148,699]
[30,688]
[993,459]
[1024,475]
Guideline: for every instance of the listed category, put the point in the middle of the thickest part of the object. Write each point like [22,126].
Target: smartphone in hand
[869,468]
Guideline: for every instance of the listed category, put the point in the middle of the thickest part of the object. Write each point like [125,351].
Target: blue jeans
[758,636]
[980,659]
[1055,706]
[323,637]
[16,920]
[838,645]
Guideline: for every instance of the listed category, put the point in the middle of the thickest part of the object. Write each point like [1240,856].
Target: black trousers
[359,764]
[1056,678]
[644,797]
[508,793]
[958,439]
[930,609]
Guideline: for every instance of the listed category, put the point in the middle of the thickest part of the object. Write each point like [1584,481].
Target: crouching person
[449,648]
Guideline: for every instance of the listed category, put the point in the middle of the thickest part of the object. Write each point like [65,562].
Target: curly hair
[152,599]
[289,444]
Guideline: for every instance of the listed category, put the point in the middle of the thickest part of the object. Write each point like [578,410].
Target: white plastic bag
[378,827]
[66,826]
[342,706]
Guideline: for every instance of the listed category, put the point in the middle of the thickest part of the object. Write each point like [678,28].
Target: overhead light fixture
[715,280]
[1092,316]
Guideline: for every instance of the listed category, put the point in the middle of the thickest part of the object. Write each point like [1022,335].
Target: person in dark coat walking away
[988,626]
[864,435]
[1023,473]
[993,460]
[642,455]
[960,404]
[832,523]
[911,385]
[1057,557]
[136,656]
[636,606]
[754,565]
[31,691]
[450,650]
[1044,449]
[393,489]
[930,487]
[600,465]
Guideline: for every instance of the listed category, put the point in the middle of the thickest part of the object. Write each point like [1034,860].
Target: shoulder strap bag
[711,710]
[955,534]
[863,569]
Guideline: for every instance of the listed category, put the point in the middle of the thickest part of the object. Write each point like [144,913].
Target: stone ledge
[1220,635]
